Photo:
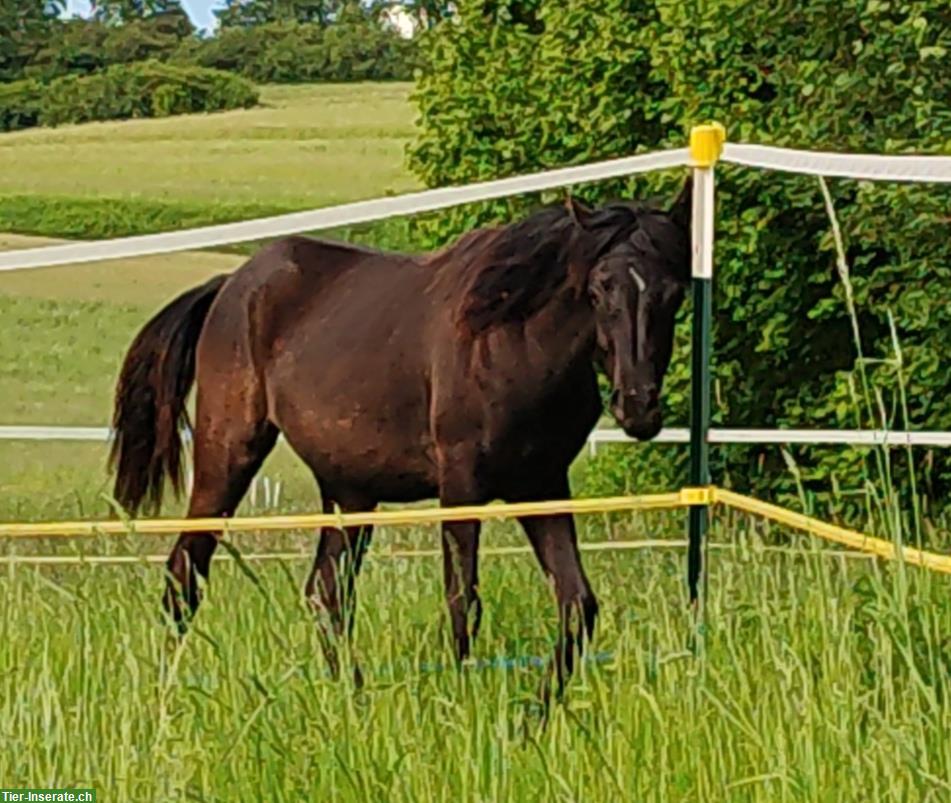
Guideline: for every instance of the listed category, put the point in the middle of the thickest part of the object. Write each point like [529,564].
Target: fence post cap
[706,144]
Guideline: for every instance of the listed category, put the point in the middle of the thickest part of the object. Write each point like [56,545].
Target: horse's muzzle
[641,425]
[638,412]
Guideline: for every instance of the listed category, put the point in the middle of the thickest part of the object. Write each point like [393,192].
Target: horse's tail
[158,372]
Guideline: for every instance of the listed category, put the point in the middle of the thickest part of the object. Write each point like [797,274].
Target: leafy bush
[20,105]
[524,85]
[507,88]
[290,52]
[147,89]
[877,82]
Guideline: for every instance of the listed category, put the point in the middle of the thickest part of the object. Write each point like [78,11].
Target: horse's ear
[580,214]
[682,209]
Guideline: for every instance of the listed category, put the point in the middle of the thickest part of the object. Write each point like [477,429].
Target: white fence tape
[861,166]
[842,437]
[343,215]
[825,437]
[26,433]
[872,167]
[403,554]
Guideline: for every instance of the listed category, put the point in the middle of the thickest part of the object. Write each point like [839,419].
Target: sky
[198,10]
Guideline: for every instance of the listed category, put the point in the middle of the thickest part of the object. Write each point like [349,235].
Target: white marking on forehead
[641,284]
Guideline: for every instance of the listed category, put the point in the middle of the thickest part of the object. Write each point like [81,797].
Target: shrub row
[102,218]
[146,89]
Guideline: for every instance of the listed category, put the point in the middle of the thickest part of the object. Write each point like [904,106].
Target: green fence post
[706,144]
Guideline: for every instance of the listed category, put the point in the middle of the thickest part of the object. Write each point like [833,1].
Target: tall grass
[807,689]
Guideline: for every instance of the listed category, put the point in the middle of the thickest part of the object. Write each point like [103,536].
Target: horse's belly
[382,464]
[378,444]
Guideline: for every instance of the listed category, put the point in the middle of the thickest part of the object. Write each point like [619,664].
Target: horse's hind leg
[331,587]
[227,455]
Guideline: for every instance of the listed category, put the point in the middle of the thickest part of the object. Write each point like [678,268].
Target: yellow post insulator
[706,144]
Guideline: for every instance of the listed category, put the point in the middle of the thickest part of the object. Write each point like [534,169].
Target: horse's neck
[564,332]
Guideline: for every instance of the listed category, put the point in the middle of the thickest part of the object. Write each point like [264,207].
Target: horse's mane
[513,271]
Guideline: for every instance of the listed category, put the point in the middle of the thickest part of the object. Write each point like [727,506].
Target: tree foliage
[24,26]
[513,87]
[80,46]
[117,12]
[248,13]
[286,41]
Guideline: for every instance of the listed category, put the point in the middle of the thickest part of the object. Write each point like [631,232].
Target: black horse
[467,374]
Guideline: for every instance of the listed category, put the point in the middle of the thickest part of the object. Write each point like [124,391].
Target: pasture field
[66,329]
[305,146]
[818,678]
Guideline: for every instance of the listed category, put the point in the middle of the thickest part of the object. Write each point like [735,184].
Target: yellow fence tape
[686,497]
[683,498]
[832,532]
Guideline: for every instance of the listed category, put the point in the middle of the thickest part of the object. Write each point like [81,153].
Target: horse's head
[636,287]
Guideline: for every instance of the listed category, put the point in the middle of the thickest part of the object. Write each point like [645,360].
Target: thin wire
[409,554]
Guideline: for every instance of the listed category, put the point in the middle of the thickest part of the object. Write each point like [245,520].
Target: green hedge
[146,89]
[101,218]
[518,86]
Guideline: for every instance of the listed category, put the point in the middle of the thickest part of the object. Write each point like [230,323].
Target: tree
[76,48]
[247,13]
[26,25]
[117,12]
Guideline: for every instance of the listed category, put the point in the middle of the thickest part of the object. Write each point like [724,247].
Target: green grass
[307,146]
[821,678]
[818,682]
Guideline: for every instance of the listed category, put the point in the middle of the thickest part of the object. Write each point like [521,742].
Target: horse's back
[337,339]
[292,282]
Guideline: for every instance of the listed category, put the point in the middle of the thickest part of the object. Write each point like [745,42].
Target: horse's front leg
[460,549]
[555,542]
[460,546]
